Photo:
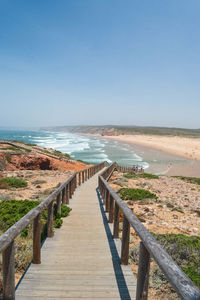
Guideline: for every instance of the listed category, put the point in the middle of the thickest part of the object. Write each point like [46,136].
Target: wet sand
[162,162]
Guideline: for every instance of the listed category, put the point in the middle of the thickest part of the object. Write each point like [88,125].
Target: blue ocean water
[90,149]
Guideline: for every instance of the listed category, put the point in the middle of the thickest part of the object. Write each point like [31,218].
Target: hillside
[114,130]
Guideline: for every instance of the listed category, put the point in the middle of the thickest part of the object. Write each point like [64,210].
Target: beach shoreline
[186,151]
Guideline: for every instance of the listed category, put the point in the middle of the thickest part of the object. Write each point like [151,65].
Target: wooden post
[9,272]
[63,196]
[75,181]
[116,221]
[73,186]
[110,219]
[125,242]
[50,220]
[58,202]
[83,177]
[143,274]
[37,239]
[104,193]
[79,174]
[67,194]
[107,201]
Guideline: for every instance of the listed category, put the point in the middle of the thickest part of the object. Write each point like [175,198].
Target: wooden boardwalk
[81,261]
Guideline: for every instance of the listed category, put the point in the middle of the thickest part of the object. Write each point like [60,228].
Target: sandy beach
[181,146]
[170,155]
[188,148]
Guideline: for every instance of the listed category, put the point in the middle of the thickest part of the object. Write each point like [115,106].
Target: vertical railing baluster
[70,189]
[67,193]
[107,201]
[104,196]
[63,196]
[125,242]
[58,202]
[143,274]
[50,220]
[111,208]
[73,186]
[37,239]
[9,272]
[116,221]
[83,179]
[79,177]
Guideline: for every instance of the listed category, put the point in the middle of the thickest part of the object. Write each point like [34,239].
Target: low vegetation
[84,162]
[135,194]
[169,131]
[27,144]
[58,154]
[8,157]
[12,211]
[195,180]
[143,175]
[61,154]
[10,148]
[12,182]
[30,144]
[184,250]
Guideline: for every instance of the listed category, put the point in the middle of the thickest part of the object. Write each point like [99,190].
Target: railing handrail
[19,226]
[178,279]
[62,195]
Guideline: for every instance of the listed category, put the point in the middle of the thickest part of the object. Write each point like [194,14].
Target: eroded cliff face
[13,158]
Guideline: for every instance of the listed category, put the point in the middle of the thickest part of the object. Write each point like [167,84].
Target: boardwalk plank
[81,260]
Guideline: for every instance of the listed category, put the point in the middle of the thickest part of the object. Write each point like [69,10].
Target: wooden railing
[128,169]
[149,247]
[62,196]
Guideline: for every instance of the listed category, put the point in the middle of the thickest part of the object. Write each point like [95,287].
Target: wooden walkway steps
[81,261]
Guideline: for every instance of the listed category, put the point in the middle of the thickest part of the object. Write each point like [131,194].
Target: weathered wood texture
[9,272]
[81,260]
[178,279]
[7,239]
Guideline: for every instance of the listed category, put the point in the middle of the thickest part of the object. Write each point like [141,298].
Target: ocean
[89,149]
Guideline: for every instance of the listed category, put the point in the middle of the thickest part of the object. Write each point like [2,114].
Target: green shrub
[130,175]
[12,211]
[12,182]
[185,250]
[65,210]
[135,194]
[57,223]
[143,175]
[149,176]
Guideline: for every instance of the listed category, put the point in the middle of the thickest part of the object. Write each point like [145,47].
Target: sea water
[86,148]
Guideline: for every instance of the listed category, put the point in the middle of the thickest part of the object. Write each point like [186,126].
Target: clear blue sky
[125,62]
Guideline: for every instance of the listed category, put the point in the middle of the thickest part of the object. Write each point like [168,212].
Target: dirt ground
[177,210]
